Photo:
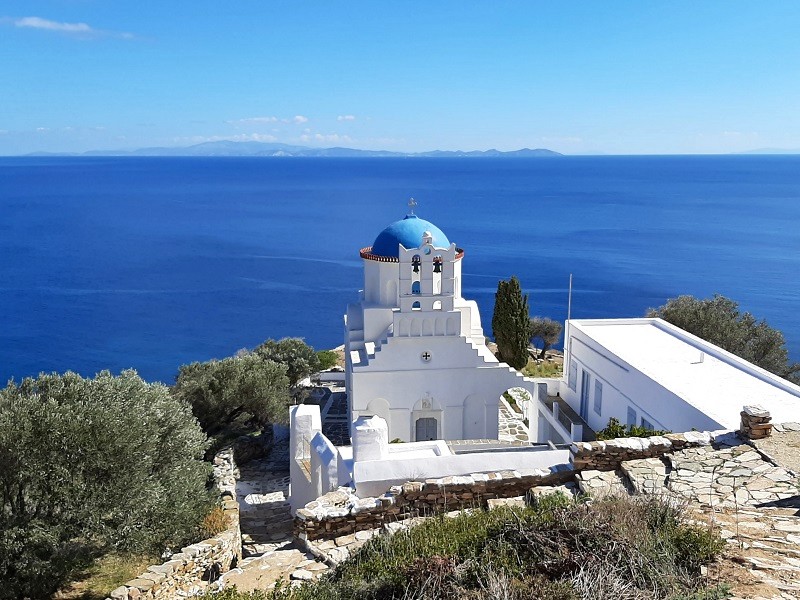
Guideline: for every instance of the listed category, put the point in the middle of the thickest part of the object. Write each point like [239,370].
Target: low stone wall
[607,455]
[341,512]
[189,571]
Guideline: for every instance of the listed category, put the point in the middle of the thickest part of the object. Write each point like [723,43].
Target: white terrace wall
[188,572]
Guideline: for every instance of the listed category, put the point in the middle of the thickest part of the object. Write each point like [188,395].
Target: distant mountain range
[225,148]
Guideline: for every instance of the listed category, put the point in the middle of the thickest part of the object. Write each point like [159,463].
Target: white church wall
[324,465]
[376,477]
[370,437]
[376,323]
[304,424]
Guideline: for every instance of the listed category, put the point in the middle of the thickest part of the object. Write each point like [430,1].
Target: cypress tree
[511,323]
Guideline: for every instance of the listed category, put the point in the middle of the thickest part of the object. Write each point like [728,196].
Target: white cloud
[42,129]
[77,29]
[300,119]
[39,23]
[346,118]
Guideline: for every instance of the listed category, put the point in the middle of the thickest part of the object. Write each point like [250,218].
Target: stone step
[647,475]
[598,484]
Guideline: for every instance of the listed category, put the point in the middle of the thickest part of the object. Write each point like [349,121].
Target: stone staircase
[268,548]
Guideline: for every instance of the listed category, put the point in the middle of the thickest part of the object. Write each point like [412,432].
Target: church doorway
[426,429]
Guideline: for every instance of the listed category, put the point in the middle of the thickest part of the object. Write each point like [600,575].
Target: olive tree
[299,358]
[242,392]
[718,320]
[90,465]
[547,330]
[511,323]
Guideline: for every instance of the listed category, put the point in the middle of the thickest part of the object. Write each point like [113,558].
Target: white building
[414,348]
[648,372]
[417,369]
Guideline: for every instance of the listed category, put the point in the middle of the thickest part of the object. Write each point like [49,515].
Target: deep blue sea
[109,263]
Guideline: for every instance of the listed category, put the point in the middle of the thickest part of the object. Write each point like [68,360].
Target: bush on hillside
[299,358]
[92,465]
[555,549]
[718,320]
[327,359]
[235,395]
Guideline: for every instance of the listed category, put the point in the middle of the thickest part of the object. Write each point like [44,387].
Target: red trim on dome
[367,254]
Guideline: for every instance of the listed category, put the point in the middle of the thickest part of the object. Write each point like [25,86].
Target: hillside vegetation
[621,548]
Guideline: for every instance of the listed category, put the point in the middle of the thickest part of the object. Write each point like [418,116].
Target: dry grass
[106,574]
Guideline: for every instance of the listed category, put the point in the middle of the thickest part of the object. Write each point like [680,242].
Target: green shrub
[327,359]
[236,395]
[615,429]
[90,465]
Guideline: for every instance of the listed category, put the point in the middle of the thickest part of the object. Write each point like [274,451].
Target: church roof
[407,231]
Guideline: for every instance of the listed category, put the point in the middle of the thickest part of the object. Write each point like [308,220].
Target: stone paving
[511,425]
[268,548]
[730,486]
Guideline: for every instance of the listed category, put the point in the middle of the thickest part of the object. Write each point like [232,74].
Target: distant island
[226,148]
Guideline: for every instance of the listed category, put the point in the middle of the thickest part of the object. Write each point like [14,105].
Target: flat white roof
[712,380]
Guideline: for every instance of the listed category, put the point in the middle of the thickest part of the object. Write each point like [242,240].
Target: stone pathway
[268,548]
[511,425]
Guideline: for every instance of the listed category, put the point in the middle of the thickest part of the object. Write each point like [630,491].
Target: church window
[573,375]
[416,305]
[598,397]
[631,416]
[415,289]
[647,424]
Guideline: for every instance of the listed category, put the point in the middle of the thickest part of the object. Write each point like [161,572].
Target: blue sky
[614,77]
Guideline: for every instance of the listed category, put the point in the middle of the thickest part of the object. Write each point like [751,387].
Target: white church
[418,371]
[414,347]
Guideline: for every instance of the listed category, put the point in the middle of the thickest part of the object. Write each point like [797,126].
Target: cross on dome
[411,204]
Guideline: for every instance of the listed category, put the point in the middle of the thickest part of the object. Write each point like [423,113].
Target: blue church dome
[407,231]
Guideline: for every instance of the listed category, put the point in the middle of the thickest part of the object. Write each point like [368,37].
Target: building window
[598,397]
[631,416]
[415,306]
[647,424]
[573,375]
[415,287]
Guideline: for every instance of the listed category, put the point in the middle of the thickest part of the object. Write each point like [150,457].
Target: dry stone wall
[607,455]
[189,571]
[342,513]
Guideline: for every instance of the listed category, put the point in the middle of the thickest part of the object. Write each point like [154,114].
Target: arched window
[415,287]
[437,305]
[415,306]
